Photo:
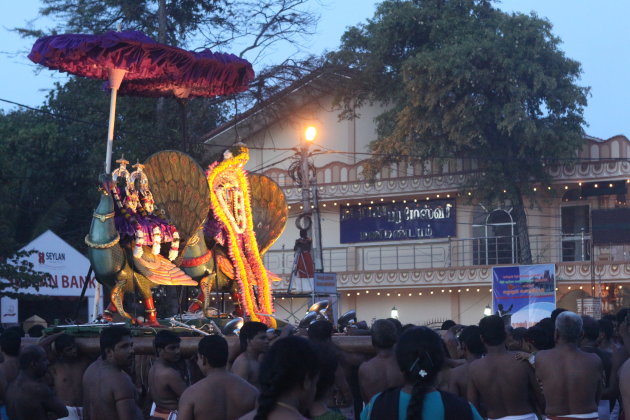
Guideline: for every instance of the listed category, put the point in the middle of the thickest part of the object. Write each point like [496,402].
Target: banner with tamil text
[523,294]
[398,221]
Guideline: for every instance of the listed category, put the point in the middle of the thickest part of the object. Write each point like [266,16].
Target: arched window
[494,241]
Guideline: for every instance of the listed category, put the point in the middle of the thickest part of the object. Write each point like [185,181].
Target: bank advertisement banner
[398,221]
[524,294]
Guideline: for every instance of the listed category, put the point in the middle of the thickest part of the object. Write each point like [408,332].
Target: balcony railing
[454,253]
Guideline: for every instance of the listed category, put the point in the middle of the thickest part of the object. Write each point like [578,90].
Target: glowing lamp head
[310,133]
[487,311]
[394,313]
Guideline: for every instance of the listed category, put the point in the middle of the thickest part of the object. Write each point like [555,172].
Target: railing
[453,253]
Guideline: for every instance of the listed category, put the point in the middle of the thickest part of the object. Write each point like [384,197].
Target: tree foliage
[460,78]
[50,157]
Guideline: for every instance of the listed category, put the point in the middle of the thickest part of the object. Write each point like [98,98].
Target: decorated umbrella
[112,56]
[208,74]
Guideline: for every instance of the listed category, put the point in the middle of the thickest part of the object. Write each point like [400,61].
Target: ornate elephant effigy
[169,223]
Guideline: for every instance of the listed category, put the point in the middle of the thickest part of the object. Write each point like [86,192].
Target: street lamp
[310,133]
[394,313]
[487,311]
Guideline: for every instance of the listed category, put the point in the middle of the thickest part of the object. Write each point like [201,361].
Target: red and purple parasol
[208,74]
[134,57]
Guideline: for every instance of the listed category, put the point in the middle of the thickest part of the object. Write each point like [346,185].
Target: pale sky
[595,33]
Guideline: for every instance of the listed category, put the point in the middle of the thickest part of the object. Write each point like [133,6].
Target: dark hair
[590,326]
[215,349]
[31,354]
[63,342]
[320,330]
[610,317]
[471,337]
[519,333]
[286,365]
[446,325]
[397,324]
[36,331]
[420,357]
[384,334]
[10,341]
[249,330]
[555,313]
[621,315]
[606,327]
[327,369]
[111,336]
[164,338]
[539,338]
[493,330]
[16,329]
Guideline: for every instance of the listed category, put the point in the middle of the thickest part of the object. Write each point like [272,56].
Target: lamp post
[309,136]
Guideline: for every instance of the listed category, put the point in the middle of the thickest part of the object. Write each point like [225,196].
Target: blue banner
[523,294]
[398,221]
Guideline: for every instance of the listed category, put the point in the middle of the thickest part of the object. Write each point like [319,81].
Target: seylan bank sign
[398,221]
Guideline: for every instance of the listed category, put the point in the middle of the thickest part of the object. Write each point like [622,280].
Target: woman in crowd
[420,357]
[288,377]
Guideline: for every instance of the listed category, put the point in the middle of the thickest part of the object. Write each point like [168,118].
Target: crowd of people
[566,367]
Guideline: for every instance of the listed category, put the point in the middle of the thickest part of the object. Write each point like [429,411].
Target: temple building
[414,239]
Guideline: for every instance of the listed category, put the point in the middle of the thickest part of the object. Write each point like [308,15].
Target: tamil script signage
[524,294]
[398,221]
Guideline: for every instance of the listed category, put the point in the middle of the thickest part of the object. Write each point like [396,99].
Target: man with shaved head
[571,378]
[28,397]
[382,371]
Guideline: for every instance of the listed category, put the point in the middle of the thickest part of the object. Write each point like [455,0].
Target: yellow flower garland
[234,165]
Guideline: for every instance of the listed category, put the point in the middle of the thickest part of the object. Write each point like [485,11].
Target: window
[576,238]
[494,241]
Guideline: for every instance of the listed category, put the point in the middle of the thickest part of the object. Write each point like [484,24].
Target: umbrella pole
[115,79]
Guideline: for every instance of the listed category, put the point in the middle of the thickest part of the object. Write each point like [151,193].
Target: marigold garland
[246,241]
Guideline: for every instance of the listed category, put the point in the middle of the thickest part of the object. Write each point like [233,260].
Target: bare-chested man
[28,397]
[108,392]
[221,395]
[254,342]
[380,372]
[500,384]
[166,383]
[571,379]
[472,349]
[10,341]
[67,374]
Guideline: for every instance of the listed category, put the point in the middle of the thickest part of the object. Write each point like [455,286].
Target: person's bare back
[219,396]
[458,380]
[571,380]
[378,374]
[501,384]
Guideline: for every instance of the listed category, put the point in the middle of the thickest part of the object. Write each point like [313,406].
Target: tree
[461,79]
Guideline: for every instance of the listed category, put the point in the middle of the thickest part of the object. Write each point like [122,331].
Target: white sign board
[67,268]
[9,310]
